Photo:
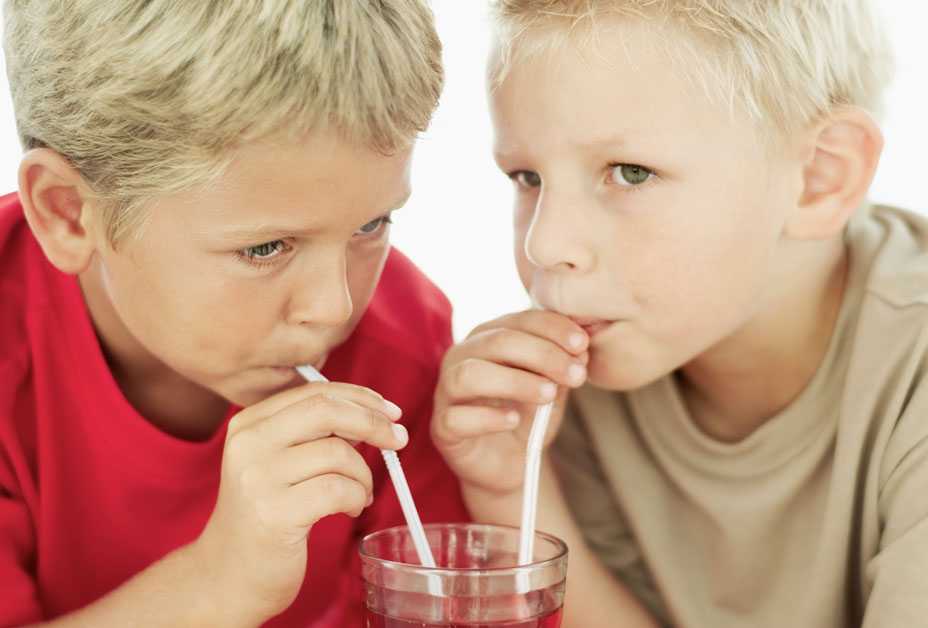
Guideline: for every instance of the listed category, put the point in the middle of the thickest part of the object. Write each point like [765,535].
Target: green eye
[630,174]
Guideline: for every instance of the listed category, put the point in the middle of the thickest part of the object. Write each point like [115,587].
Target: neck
[744,381]
[164,397]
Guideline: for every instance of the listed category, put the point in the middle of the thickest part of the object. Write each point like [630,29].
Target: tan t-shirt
[818,519]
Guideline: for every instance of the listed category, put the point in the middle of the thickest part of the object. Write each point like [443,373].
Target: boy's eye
[629,175]
[374,226]
[526,178]
[264,252]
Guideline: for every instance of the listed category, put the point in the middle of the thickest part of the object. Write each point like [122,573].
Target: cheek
[690,284]
[523,266]
[700,293]
[711,290]
[145,296]
[364,270]
[522,220]
[720,245]
[188,318]
[230,317]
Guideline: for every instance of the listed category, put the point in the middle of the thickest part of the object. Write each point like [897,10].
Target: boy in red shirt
[204,204]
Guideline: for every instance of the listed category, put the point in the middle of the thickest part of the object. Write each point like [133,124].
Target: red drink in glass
[375,620]
[477,584]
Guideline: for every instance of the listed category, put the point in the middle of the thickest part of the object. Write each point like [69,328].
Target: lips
[287,371]
[282,370]
[592,326]
[316,362]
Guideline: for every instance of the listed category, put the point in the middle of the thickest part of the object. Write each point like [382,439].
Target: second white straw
[534,448]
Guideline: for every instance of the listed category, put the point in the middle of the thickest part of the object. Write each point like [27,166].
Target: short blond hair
[151,97]
[786,62]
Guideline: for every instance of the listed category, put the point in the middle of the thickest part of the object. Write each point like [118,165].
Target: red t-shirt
[91,493]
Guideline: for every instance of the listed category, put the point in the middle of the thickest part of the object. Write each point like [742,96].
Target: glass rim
[560,547]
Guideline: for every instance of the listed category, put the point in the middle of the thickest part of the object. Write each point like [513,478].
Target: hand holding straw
[400,485]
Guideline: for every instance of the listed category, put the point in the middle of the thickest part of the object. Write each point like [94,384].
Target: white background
[457,227]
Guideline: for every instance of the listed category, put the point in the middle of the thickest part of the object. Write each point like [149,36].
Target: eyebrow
[504,153]
[617,139]
[269,232]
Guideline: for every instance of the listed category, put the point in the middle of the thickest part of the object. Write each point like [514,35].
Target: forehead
[323,168]
[618,79]
[317,185]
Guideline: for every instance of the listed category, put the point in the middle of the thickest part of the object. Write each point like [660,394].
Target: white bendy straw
[400,485]
[536,440]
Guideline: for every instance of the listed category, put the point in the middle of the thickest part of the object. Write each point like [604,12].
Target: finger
[321,457]
[523,350]
[350,392]
[303,504]
[461,422]
[476,379]
[552,326]
[322,416]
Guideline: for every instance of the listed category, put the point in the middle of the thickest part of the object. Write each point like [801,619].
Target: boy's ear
[53,196]
[844,153]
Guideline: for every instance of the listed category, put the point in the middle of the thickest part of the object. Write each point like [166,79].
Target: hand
[490,386]
[287,463]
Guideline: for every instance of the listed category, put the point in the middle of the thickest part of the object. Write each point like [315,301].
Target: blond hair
[786,62]
[151,97]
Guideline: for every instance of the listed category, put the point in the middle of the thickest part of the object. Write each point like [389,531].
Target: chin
[245,399]
[246,396]
[629,376]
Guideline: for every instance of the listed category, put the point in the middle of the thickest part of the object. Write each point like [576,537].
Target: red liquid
[376,620]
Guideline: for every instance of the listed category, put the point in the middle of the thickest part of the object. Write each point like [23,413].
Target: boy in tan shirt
[738,338]
[205,200]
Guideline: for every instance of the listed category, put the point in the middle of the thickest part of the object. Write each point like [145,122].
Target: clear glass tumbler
[477,583]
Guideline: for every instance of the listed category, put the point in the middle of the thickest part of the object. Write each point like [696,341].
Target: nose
[556,239]
[320,295]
